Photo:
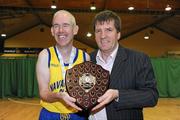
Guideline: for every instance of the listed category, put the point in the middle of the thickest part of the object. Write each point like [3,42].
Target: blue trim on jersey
[84,56]
[47,115]
[75,58]
[56,53]
[49,57]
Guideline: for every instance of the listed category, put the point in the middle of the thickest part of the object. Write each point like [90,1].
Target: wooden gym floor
[28,109]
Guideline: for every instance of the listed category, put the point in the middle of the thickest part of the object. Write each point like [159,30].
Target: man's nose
[60,28]
[103,34]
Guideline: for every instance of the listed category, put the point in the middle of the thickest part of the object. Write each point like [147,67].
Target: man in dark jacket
[132,82]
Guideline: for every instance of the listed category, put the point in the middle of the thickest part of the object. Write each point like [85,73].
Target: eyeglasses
[63,26]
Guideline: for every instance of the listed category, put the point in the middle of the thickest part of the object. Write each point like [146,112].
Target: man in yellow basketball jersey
[51,68]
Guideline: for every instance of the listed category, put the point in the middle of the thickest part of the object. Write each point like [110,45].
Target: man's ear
[52,33]
[119,35]
[75,29]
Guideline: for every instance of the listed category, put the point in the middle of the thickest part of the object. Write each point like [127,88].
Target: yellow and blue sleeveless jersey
[56,83]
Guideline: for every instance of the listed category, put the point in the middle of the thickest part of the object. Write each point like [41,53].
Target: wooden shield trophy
[87,82]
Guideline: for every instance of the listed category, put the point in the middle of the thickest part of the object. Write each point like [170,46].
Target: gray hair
[72,18]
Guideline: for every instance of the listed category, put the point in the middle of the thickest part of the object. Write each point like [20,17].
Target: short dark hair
[108,15]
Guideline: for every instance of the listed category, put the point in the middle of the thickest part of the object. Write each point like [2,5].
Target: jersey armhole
[49,57]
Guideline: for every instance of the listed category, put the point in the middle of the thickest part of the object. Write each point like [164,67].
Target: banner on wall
[22,50]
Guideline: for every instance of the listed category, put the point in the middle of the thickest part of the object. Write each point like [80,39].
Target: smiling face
[64,28]
[106,36]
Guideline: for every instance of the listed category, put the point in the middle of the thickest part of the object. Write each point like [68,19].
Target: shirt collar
[112,55]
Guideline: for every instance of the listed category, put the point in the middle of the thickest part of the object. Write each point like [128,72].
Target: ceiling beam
[149,25]
[35,13]
[19,32]
[165,31]
[23,10]
[11,17]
